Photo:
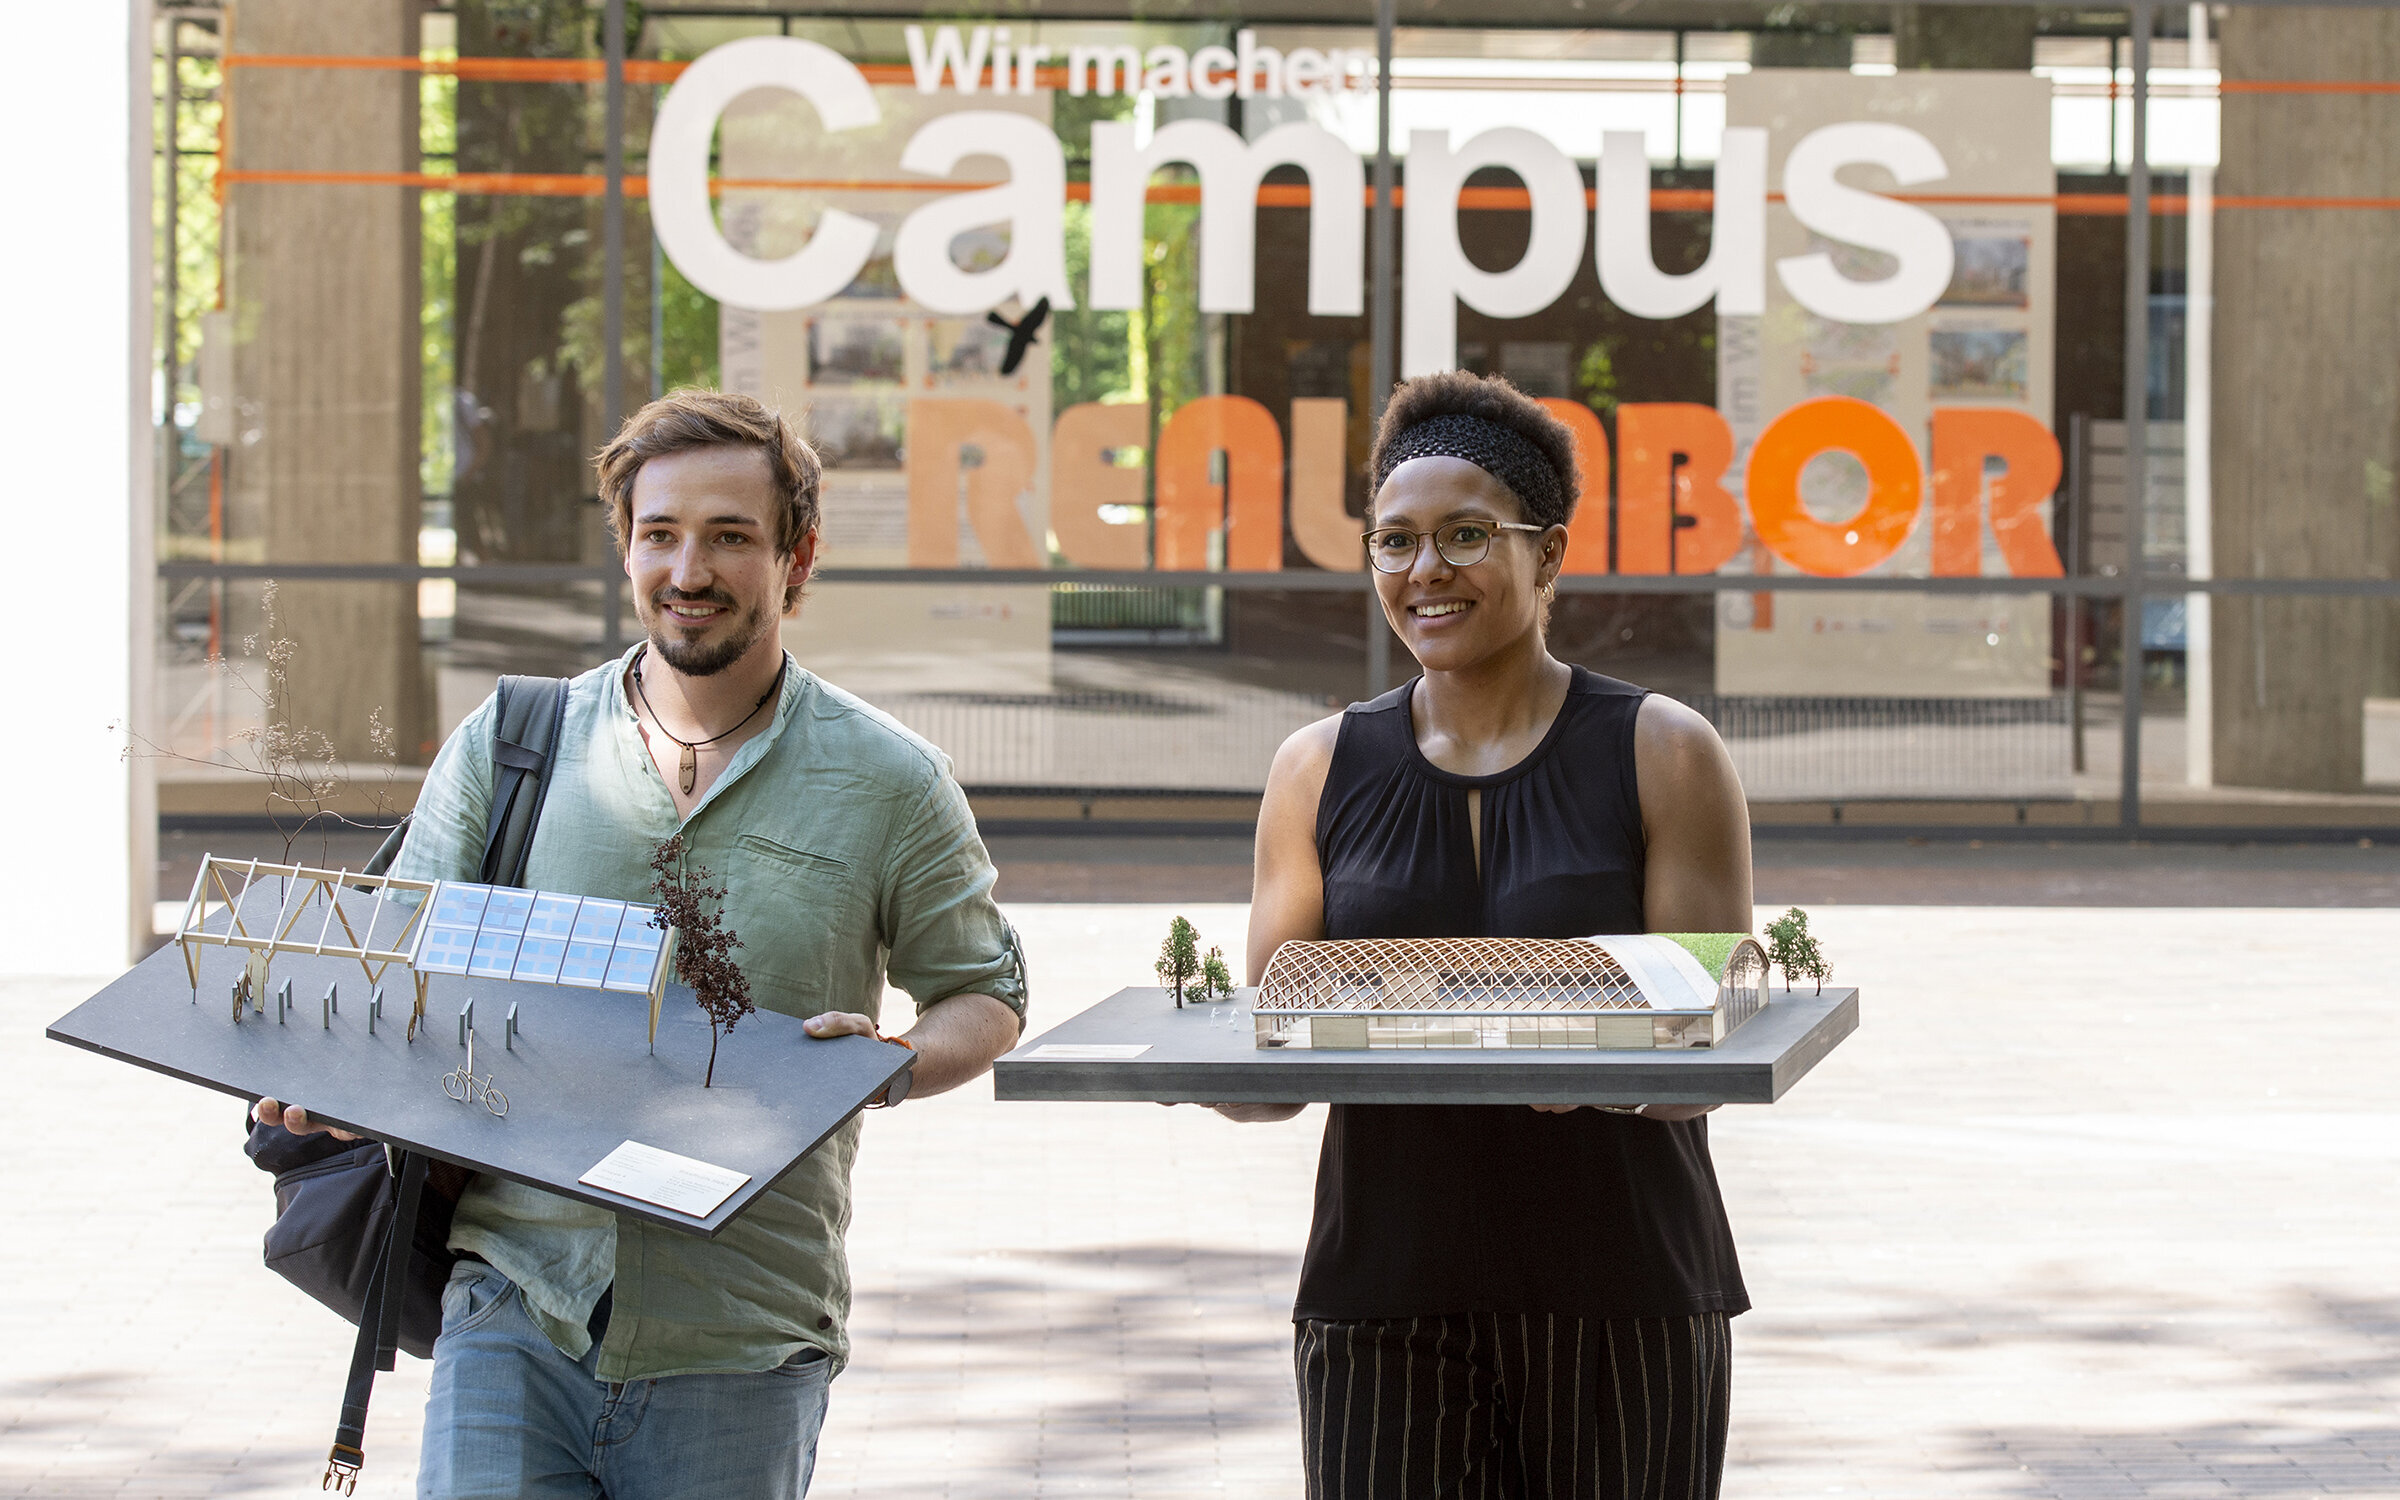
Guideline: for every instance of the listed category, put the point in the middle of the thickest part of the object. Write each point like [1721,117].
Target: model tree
[1216,980]
[704,946]
[1179,959]
[1791,949]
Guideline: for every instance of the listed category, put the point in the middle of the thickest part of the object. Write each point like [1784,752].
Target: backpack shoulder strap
[380,863]
[525,728]
[526,723]
[378,1325]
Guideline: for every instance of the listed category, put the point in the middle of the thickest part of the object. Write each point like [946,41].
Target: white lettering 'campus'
[1735,273]
[1230,171]
[1028,203]
[1031,203]
[679,145]
[1440,276]
[1917,239]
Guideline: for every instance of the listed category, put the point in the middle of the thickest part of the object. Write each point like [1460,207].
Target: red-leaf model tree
[704,946]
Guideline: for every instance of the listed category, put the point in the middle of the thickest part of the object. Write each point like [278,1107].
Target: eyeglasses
[1462,544]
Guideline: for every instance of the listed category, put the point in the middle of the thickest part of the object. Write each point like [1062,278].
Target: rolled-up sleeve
[445,833]
[946,933]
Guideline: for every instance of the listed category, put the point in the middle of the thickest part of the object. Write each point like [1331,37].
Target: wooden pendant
[691,768]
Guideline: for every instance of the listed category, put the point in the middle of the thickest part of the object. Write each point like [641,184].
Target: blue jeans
[512,1416]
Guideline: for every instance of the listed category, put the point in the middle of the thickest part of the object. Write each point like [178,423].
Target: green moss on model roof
[1713,949]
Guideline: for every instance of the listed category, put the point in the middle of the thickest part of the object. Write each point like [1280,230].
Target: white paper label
[1088,1051]
[678,1182]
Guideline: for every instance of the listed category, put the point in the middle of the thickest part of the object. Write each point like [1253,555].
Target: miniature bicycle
[464,1085]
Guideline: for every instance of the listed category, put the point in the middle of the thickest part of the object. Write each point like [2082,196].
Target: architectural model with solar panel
[1654,990]
[427,927]
[562,1054]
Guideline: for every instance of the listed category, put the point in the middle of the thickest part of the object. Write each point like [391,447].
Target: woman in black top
[1502,1300]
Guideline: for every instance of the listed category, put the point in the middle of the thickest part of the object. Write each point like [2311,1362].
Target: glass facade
[1083,314]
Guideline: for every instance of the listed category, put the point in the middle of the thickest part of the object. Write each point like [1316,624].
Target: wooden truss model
[1638,991]
[272,908]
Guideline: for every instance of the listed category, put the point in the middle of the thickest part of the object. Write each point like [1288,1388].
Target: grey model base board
[1195,1057]
[581,1080]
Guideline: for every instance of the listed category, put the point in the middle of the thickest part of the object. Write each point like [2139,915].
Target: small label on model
[681,1183]
[1088,1051]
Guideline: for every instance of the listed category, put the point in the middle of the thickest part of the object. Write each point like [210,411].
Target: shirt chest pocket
[816,938]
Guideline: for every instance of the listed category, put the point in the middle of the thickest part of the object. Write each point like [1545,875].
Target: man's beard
[701,658]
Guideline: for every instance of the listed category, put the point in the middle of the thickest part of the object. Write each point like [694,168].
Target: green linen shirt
[847,851]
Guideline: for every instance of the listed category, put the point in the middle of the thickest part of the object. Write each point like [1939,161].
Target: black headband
[1504,453]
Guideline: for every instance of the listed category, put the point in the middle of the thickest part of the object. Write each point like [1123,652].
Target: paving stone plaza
[2097,1203]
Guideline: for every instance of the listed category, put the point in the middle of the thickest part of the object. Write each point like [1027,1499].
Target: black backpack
[341,1206]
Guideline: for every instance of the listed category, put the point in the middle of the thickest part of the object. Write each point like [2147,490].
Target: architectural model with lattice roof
[1639,991]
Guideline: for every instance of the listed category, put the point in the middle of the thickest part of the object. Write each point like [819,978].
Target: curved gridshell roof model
[1514,975]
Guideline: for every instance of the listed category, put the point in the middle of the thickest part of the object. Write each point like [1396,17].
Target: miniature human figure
[844,844]
[1530,1298]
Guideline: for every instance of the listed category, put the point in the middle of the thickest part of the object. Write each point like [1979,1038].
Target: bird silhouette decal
[1020,334]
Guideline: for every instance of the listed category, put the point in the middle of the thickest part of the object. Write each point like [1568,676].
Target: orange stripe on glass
[520,184]
[2306,86]
[571,69]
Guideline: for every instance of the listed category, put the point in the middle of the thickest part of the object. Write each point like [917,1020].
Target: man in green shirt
[583,1352]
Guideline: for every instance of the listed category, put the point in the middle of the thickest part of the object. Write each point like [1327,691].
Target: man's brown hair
[686,420]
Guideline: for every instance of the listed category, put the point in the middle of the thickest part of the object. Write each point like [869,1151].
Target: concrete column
[82,822]
[2307,424]
[2199,405]
[322,281]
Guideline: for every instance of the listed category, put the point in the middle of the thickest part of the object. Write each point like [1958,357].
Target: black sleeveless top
[1433,1209]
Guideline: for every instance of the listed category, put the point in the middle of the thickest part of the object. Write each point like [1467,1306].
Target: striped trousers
[1514,1406]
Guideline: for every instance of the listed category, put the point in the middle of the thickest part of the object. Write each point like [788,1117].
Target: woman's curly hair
[1494,400]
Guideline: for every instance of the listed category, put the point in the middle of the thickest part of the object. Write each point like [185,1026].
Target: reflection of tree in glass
[704,945]
[1171,340]
[1596,378]
[198,110]
[525,274]
[1091,354]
